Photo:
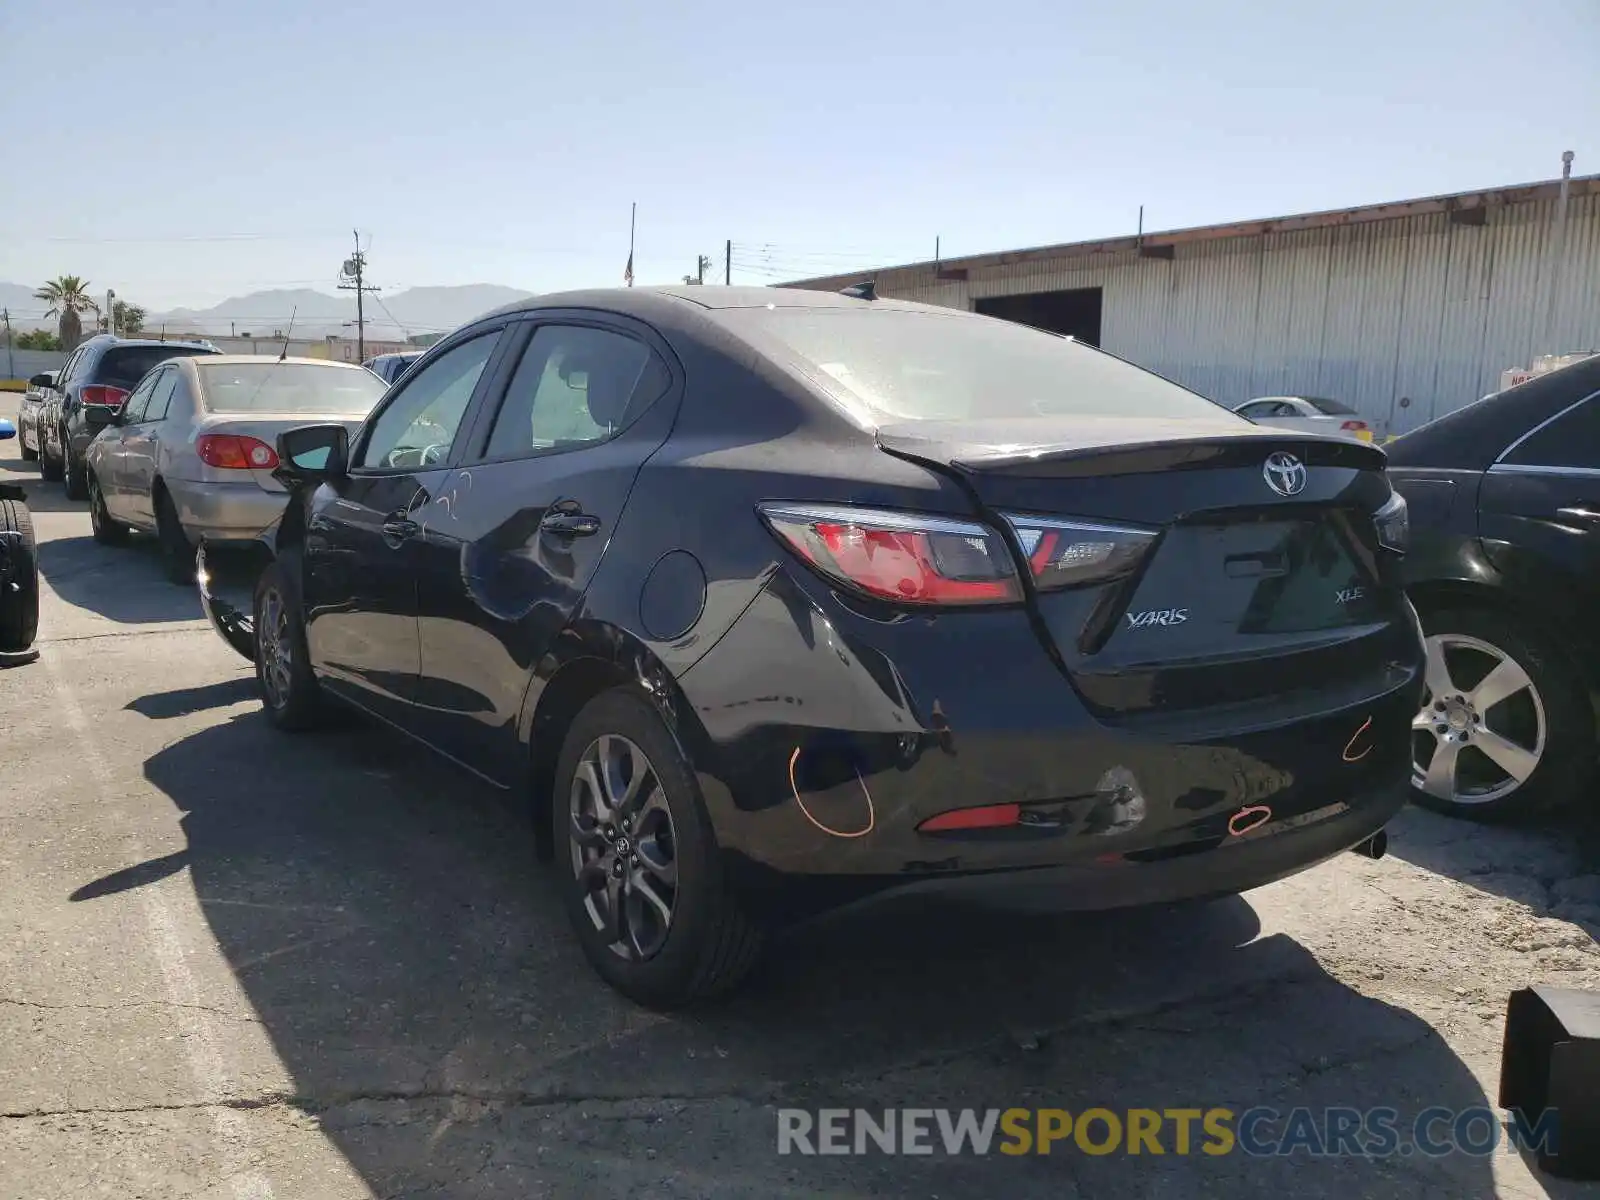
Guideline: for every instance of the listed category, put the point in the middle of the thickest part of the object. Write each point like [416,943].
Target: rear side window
[575,386]
[133,410]
[901,365]
[1329,408]
[124,366]
[161,397]
[1571,440]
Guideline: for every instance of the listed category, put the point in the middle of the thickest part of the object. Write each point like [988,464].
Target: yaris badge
[1285,474]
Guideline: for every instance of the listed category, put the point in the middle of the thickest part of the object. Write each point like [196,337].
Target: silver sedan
[191,455]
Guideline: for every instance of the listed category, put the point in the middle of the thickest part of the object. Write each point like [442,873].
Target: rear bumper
[824,741]
[225,512]
[1266,855]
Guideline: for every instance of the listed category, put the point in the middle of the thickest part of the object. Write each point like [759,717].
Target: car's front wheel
[1506,728]
[642,875]
[289,691]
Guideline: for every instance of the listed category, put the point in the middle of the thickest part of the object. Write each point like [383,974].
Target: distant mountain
[17,298]
[415,310]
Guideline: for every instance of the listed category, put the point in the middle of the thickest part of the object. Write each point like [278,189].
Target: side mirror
[312,453]
[41,380]
[7,429]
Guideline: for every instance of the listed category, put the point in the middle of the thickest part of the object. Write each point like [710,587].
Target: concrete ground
[240,964]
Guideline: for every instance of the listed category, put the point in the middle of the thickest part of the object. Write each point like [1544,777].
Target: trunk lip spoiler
[232,626]
[972,458]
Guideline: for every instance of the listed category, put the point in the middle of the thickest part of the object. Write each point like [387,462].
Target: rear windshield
[284,387]
[912,366]
[1330,408]
[124,366]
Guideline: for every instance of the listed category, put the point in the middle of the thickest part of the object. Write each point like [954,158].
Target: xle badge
[1158,616]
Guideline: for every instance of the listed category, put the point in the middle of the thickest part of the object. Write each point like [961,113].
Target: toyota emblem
[1284,473]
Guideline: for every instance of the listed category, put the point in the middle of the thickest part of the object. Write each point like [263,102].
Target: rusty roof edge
[1522,193]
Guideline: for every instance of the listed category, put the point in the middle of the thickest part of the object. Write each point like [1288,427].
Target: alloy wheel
[624,848]
[1483,718]
[276,649]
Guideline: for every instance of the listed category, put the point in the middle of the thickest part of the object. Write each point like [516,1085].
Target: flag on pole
[627,271]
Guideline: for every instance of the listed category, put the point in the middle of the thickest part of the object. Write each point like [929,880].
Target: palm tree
[67,297]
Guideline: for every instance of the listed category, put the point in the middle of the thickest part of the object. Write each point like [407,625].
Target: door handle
[567,523]
[398,529]
[1579,514]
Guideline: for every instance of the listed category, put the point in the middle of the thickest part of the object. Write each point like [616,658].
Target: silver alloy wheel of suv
[1484,719]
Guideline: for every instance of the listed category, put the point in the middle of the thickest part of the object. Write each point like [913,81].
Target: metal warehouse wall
[1368,313]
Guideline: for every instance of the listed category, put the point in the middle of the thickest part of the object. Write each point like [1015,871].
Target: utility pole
[702,262]
[727,263]
[354,271]
[11,360]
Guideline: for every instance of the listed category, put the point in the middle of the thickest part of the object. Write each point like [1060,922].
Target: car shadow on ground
[1553,868]
[128,583]
[413,967]
[42,497]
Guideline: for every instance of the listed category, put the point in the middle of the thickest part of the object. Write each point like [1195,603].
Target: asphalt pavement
[235,963]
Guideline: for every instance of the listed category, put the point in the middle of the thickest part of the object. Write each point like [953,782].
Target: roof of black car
[647,301]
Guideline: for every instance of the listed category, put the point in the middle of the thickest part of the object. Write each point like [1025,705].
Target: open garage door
[1075,312]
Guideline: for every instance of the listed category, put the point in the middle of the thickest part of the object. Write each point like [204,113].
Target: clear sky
[187,151]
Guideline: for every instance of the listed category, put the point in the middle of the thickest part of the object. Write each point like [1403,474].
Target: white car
[1311,414]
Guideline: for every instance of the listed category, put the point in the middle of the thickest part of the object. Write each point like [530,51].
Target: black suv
[89,392]
[389,367]
[1504,570]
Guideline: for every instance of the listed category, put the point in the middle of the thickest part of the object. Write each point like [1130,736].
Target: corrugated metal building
[1403,311]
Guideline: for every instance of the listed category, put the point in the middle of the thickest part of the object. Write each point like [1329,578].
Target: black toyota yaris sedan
[772,600]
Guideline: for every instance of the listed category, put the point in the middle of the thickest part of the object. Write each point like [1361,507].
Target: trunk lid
[263,427]
[1239,599]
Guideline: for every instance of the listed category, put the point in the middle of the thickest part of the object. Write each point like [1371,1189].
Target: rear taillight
[1063,554]
[989,816]
[909,558]
[98,395]
[1393,521]
[235,452]
[1353,425]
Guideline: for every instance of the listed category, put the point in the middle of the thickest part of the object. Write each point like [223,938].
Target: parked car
[1307,414]
[28,438]
[19,571]
[190,456]
[389,367]
[91,389]
[1505,571]
[772,600]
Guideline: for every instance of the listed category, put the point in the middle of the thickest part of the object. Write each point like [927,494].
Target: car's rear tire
[107,530]
[73,469]
[19,599]
[49,465]
[290,693]
[1530,747]
[640,851]
[177,552]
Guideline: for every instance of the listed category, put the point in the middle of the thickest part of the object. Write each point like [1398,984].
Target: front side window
[895,365]
[575,386]
[1571,440]
[419,426]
